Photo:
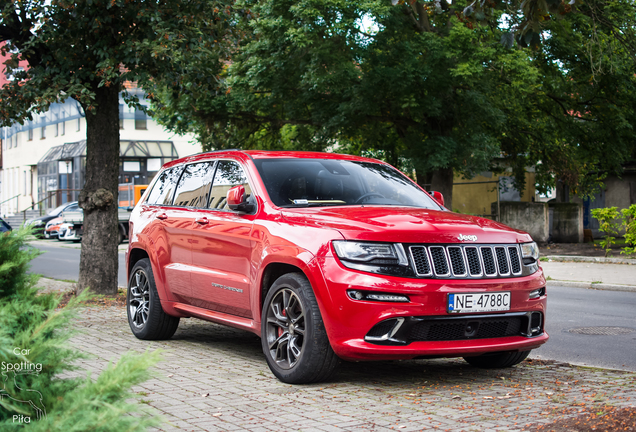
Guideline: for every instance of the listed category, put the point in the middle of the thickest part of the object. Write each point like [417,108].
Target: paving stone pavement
[227,365]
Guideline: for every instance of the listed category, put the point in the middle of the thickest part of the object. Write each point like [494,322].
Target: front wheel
[293,335]
[146,317]
[498,360]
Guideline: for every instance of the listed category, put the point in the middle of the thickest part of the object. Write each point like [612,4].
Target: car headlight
[371,253]
[37,223]
[529,252]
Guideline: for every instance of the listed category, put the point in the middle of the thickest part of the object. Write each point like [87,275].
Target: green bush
[629,223]
[35,354]
[608,224]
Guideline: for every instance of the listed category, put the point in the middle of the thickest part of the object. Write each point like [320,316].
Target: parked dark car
[38,224]
[4,227]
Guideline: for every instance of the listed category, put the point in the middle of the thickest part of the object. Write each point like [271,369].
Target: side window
[228,174]
[162,192]
[194,186]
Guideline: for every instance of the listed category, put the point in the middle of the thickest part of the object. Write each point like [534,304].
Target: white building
[44,161]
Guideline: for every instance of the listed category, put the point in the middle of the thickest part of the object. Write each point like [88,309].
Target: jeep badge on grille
[463,237]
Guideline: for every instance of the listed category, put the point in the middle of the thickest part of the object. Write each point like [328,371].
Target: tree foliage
[429,85]
[87,50]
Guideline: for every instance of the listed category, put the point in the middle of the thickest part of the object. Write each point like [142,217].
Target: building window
[43,132]
[30,134]
[79,123]
[154,164]
[132,166]
[63,123]
[121,116]
[140,120]
[57,125]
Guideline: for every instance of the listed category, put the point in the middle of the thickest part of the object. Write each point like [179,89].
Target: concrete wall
[621,192]
[526,216]
[566,222]
[476,198]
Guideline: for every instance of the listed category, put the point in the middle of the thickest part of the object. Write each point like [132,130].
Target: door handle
[202,221]
[162,216]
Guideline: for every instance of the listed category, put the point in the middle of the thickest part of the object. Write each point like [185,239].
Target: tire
[293,334]
[498,360]
[146,317]
[122,235]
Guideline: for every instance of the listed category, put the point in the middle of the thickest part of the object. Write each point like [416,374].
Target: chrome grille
[440,264]
[466,261]
[515,262]
[457,260]
[502,261]
[489,261]
[420,259]
[474,265]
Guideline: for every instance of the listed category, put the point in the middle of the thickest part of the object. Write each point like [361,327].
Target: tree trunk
[440,180]
[99,257]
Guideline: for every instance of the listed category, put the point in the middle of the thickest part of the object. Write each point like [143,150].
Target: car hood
[406,225]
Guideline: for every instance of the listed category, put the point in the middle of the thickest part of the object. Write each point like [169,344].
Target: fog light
[534,294]
[361,295]
[356,295]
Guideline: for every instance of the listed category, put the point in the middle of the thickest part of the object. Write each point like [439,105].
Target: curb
[600,260]
[589,285]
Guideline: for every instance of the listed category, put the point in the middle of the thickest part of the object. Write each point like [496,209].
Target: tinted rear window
[163,190]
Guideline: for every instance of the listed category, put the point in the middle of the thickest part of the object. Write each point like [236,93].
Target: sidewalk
[215,378]
[591,272]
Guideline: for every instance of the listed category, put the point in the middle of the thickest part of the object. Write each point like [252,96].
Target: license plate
[479,302]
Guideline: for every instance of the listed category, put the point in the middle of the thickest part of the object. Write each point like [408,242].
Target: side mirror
[438,197]
[237,200]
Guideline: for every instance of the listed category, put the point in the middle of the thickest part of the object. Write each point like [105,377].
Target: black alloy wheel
[293,336]
[146,317]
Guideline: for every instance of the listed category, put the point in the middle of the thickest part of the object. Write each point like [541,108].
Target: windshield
[325,182]
[57,210]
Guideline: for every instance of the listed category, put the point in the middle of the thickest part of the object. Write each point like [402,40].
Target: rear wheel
[293,336]
[146,317]
[498,360]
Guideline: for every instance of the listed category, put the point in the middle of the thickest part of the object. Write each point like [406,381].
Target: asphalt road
[569,309]
[60,260]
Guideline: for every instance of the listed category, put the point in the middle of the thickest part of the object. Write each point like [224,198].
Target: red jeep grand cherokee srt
[328,257]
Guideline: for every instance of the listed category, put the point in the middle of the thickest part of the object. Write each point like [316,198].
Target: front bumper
[363,329]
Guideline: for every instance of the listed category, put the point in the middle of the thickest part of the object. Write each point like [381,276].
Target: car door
[169,232]
[222,248]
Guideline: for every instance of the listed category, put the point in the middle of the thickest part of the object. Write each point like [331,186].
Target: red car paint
[196,254]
